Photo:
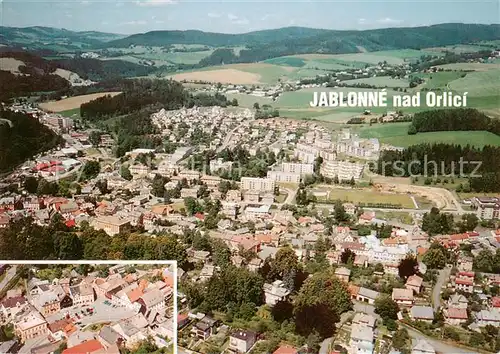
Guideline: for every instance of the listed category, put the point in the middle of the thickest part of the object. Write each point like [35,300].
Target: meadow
[379,81]
[74,102]
[484,83]
[396,134]
[439,80]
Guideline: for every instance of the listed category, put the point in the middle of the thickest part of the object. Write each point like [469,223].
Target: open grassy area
[71,112]
[397,134]
[439,80]
[379,81]
[472,195]
[402,217]
[358,196]
[485,83]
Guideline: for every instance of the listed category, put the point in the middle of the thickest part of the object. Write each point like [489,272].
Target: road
[227,140]
[10,273]
[443,276]
[438,346]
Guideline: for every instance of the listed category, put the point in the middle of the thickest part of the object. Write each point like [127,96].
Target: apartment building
[257,184]
[344,170]
[487,208]
[300,168]
[30,326]
[111,224]
[280,176]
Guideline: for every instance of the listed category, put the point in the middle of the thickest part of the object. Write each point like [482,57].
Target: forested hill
[308,40]
[23,138]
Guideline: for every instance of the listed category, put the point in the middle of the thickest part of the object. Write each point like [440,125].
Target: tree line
[458,119]
[481,165]
[24,239]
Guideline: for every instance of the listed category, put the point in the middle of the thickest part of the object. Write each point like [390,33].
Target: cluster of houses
[58,311]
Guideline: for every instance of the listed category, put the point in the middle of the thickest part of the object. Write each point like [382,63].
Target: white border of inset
[111,262]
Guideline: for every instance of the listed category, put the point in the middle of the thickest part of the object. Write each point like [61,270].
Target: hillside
[268,44]
[23,138]
[38,37]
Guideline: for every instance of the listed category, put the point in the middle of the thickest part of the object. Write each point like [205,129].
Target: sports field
[367,196]
[73,102]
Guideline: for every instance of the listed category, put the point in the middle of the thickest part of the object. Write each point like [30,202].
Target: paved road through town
[10,273]
[443,276]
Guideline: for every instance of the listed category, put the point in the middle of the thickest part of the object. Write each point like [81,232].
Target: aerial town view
[85,308]
[325,175]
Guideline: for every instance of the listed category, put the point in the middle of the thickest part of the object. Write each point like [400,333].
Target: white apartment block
[487,208]
[280,176]
[344,170]
[257,184]
[301,168]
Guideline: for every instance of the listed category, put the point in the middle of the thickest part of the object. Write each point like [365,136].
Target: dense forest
[21,137]
[430,160]
[35,75]
[452,120]
[97,70]
[141,93]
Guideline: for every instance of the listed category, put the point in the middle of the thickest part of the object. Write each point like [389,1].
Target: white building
[257,184]
[275,292]
[344,170]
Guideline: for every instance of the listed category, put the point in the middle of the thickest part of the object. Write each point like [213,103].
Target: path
[443,276]
[10,273]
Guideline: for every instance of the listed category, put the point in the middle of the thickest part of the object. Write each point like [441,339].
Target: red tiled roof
[85,347]
[467,274]
[199,216]
[285,349]
[456,313]
[463,281]
[70,223]
[495,302]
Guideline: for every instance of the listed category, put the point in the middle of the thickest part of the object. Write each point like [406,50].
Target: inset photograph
[88,307]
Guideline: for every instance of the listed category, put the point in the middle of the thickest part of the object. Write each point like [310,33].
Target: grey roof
[425,312]
[109,334]
[152,298]
[361,332]
[371,294]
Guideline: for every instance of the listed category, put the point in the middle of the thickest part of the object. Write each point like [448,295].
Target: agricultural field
[485,83]
[10,64]
[470,66]
[397,134]
[71,112]
[248,101]
[439,80]
[73,102]
[366,196]
[379,81]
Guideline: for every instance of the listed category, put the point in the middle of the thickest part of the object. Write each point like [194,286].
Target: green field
[379,81]
[439,80]
[71,112]
[397,134]
[247,101]
[287,61]
[485,83]
[471,66]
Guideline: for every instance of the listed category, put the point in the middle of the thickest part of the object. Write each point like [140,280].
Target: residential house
[403,297]
[457,301]
[275,292]
[488,317]
[364,320]
[204,328]
[242,341]
[366,295]
[455,316]
[414,283]
[11,306]
[111,224]
[464,284]
[343,274]
[422,313]
[361,340]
